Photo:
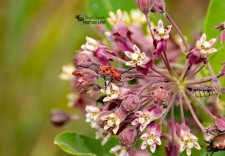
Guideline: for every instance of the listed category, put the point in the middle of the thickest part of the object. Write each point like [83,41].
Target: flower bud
[144,5]
[128,136]
[158,6]
[222,71]
[220,123]
[160,95]
[59,118]
[220,26]
[82,61]
[131,103]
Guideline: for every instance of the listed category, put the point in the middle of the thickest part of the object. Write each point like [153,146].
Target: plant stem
[193,113]
[181,108]
[168,108]
[149,25]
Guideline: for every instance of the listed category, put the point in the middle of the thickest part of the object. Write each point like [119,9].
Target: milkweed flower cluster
[153,83]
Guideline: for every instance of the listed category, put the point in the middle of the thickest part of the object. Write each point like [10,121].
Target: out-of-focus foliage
[37,38]
[76,144]
[103,7]
[215,16]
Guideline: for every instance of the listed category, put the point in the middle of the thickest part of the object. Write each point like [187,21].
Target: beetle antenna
[127,70]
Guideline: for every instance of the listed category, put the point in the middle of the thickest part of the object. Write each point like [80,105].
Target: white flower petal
[188,151]
[130,63]
[182,147]
[158,141]
[196,145]
[160,24]
[203,38]
[211,50]
[144,145]
[142,127]
[115,129]
[114,96]
[90,47]
[212,41]
[115,149]
[128,54]
[135,122]
[91,40]
[144,136]
[152,148]
[106,99]
[136,49]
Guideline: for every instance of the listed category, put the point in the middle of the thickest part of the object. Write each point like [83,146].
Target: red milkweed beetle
[109,73]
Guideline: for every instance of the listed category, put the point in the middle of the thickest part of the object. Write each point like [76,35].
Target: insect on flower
[202,92]
[110,73]
[217,144]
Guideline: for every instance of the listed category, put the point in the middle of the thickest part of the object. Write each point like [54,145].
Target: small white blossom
[119,151]
[112,91]
[118,17]
[71,97]
[67,71]
[150,139]
[188,142]
[145,117]
[92,115]
[103,134]
[90,46]
[160,32]
[137,57]
[112,121]
[137,16]
[205,47]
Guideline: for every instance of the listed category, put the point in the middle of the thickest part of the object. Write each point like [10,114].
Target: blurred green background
[37,38]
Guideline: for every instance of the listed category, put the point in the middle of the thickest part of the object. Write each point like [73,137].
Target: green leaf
[102,7]
[215,16]
[75,144]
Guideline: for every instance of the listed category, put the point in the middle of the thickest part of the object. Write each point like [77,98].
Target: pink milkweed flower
[91,45]
[188,140]
[112,92]
[205,47]
[160,32]
[118,17]
[138,58]
[119,151]
[93,48]
[103,134]
[112,121]
[67,71]
[92,115]
[202,49]
[146,116]
[152,136]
